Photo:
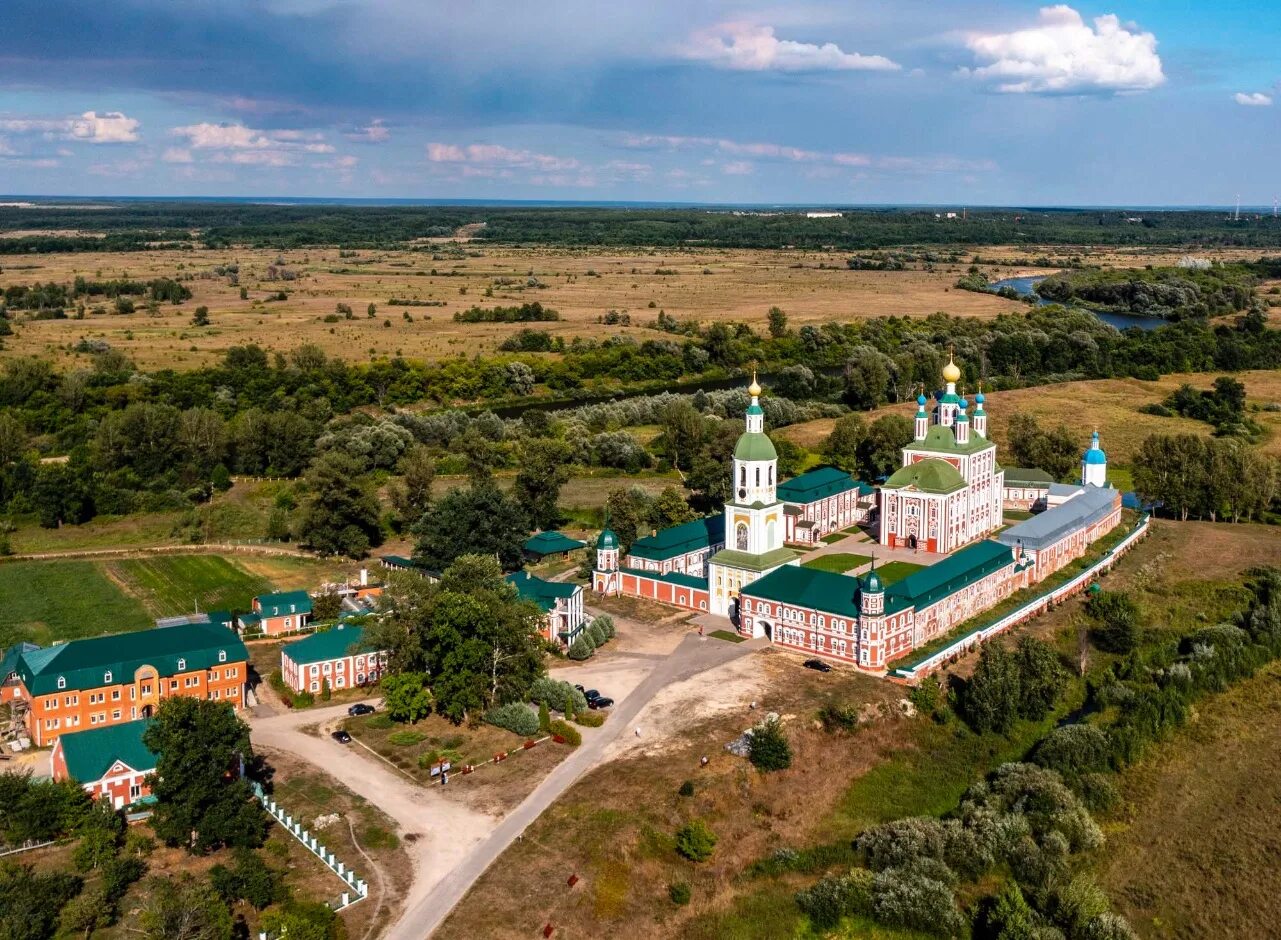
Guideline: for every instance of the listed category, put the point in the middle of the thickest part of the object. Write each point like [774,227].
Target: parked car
[341,736]
[818,664]
[361,708]
[591,695]
[601,701]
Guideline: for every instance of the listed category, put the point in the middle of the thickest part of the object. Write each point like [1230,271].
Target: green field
[177,584]
[893,571]
[837,562]
[63,600]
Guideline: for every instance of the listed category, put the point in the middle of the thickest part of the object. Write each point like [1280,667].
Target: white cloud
[1064,55]
[495,155]
[737,168]
[245,146]
[176,155]
[6,150]
[750,47]
[109,128]
[207,136]
[375,132]
[1252,99]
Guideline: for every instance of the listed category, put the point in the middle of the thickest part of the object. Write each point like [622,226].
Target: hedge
[514,717]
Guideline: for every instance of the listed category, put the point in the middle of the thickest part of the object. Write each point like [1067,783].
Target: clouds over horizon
[753,47]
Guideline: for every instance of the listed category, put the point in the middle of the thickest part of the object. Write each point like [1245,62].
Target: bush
[596,635]
[904,897]
[838,717]
[687,788]
[303,700]
[1108,927]
[379,722]
[582,648]
[902,842]
[567,732]
[679,892]
[768,749]
[515,717]
[836,896]
[557,695]
[1074,750]
[927,696]
[606,624]
[544,717]
[1117,617]
[406,738]
[695,841]
[589,719]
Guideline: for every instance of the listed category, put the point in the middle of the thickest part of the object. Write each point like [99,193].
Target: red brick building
[110,763]
[336,656]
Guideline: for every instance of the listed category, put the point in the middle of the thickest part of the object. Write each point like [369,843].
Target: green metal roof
[342,640]
[754,445]
[9,660]
[551,543]
[1027,476]
[680,539]
[542,592]
[84,663]
[90,754]
[820,483]
[932,475]
[731,558]
[607,539]
[942,439]
[808,587]
[284,604]
[954,572]
[671,577]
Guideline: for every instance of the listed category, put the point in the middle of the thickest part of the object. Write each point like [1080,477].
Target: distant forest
[131,226]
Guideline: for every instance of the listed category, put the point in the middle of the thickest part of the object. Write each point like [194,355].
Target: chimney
[364,577]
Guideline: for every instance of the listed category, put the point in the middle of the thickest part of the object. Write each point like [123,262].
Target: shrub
[901,842]
[695,841]
[836,896]
[1006,915]
[596,635]
[379,722]
[679,892]
[582,647]
[927,696]
[838,717]
[606,624]
[1108,927]
[1117,617]
[1079,903]
[516,717]
[687,788]
[904,897]
[406,738]
[544,717]
[557,695]
[589,719]
[303,700]
[567,732]
[1074,750]
[768,749]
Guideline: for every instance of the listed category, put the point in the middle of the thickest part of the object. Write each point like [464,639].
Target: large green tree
[202,802]
[340,516]
[841,447]
[1055,450]
[183,907]
[479,519]
[543,470]
[880,450]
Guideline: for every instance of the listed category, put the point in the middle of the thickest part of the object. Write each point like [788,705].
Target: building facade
[109,680]
[274,614]
[338,656]
[948,491]
[822,501]
[561,603]
[110,763]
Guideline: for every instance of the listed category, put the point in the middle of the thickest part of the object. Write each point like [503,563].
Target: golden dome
[754,389]
[951,371]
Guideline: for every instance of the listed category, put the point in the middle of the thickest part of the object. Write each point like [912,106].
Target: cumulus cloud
[112,127]
[1252,99]
[751,47]
[375,132]
[1062,54]
[176,155]
[246,146]
[495,155]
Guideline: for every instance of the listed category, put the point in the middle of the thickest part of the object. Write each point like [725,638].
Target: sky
[944,102]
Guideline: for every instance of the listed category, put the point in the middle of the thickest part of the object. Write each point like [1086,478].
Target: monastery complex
[944,504]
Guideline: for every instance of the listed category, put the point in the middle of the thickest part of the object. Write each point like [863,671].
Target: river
[1026,287]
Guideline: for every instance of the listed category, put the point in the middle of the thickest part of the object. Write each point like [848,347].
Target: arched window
[771,474]
[742,476]
[758,476]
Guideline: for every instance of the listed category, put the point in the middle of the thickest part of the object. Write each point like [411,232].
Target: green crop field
[63,600]
[838,562]
[893,571]
[177,584]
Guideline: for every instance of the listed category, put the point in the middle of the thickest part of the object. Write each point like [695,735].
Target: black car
[591,695]
[341,736]
[360,708]
[818,664]
[601,701]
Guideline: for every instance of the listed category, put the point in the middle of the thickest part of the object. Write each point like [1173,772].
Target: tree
[341,515]
[30,901]
[880,450]
[993,695]
[201,317]
[768,749]
[695,841]
[301,920]
[670,508]
[841,448]
[326,607]
[183,908]
[777,323]
[479,519]
[630,511]
[88,911]
[1056,450]
[406,696]
[866,377]
[1117,616]
[682,434]
[412,495]
[1041,677]
[544,469]
[250,880]
[201,801]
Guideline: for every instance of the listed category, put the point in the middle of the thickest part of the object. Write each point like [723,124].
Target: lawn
[837,562]
[834,538]
[46,601]
[893,571]
[175,584]
[726,635]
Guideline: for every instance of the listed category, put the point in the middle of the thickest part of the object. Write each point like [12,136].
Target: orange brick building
[124,677]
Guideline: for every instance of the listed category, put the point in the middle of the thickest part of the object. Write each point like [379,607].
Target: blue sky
[1133,102]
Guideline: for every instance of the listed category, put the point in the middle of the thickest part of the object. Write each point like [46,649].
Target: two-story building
[822,501]
[108,680]
[110,763]
[340,656]
[560,602]
[274,614]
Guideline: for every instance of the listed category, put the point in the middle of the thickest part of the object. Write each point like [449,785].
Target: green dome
[755,446]
[607,540]
[931,475]
[872,583]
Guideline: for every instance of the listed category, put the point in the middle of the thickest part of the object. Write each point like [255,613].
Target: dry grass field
[1109,405]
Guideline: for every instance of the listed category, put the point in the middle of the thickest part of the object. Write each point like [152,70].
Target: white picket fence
[1031,609]
[358,889]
